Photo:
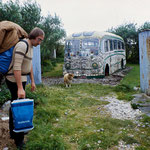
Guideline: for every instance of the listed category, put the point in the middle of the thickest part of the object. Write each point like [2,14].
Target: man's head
[36,36]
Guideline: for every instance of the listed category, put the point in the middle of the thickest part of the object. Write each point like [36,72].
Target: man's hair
[35,33]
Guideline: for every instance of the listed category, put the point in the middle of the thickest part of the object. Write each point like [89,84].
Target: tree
[129,33]
[28,16]
[145,26]
[54,33]
[31,15]
[10,11]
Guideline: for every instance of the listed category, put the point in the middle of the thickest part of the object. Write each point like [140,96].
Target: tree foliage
[145,26]
[129,32]
[130,35]
[54,33]
[28,15]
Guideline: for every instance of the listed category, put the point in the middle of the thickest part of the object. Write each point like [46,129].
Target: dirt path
[5,141]
[113,79]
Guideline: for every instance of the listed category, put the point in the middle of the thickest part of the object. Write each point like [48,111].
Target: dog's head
[70,76]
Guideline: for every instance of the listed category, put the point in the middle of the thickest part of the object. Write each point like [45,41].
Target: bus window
[90,47]
[68,44]
[71,47]
[106,46]
[115,44]
[119,45]
[122,45]
[111,45]
[87,43]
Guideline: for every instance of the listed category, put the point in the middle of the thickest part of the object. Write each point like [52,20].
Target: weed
[4,94]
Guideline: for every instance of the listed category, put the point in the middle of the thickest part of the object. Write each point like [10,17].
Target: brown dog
[68,79]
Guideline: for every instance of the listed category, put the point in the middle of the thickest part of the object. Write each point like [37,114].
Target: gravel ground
[120,109]
[113,79]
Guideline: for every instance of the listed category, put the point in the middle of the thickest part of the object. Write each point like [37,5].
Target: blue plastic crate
[22,111]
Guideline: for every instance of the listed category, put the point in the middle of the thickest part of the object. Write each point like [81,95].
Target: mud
[5,141]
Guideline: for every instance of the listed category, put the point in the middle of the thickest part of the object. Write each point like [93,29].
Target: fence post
[36,65]
[144,55]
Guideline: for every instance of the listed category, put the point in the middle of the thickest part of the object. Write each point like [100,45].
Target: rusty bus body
[93,54]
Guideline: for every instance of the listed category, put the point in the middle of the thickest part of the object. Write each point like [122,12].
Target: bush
[47,66]
[4,94]
[123,88]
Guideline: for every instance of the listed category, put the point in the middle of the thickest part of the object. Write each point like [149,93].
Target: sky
[96,15]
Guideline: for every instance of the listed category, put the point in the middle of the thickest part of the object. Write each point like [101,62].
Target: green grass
[75,119]
[70,119]
[132,78]
[57,72]
[125,89]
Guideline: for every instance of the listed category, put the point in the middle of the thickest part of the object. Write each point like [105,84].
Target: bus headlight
[95,65]
[67,66]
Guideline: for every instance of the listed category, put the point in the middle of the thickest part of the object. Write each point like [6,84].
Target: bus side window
[111,45]
[69,44]
[106,46]
[115,44]
[122,45]
[119,45]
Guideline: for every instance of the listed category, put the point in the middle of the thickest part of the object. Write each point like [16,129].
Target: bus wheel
[107,70]
[122,64]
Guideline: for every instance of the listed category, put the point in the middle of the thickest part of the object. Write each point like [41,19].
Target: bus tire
[122,64]
[107,70]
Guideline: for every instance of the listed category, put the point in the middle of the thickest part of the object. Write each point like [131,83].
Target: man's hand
[33,86]
[21,93]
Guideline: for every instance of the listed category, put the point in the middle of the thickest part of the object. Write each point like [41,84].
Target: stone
[6,106]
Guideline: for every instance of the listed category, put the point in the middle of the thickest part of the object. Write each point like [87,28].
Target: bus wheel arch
[107,70]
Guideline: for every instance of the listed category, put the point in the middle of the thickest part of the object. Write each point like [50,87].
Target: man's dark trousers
[18,137]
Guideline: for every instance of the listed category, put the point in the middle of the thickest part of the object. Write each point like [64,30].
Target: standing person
[17,76]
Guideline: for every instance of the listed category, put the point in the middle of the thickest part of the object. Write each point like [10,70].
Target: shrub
[4,94]
[123,88]
[47,66]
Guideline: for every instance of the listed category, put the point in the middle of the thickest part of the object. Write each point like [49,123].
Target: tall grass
[56,72]
[125,89]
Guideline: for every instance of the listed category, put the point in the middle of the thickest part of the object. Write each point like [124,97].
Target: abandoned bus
[94,54]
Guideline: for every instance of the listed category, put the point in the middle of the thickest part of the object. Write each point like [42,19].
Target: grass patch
[70,119]
[75,119]
[125,89]
[133,77]
[56,72]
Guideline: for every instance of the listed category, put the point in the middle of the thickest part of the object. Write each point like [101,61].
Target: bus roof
[92,34]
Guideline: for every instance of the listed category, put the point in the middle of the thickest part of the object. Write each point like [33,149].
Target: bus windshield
[90,43]
[90,46]
[72,48]
[72,44]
